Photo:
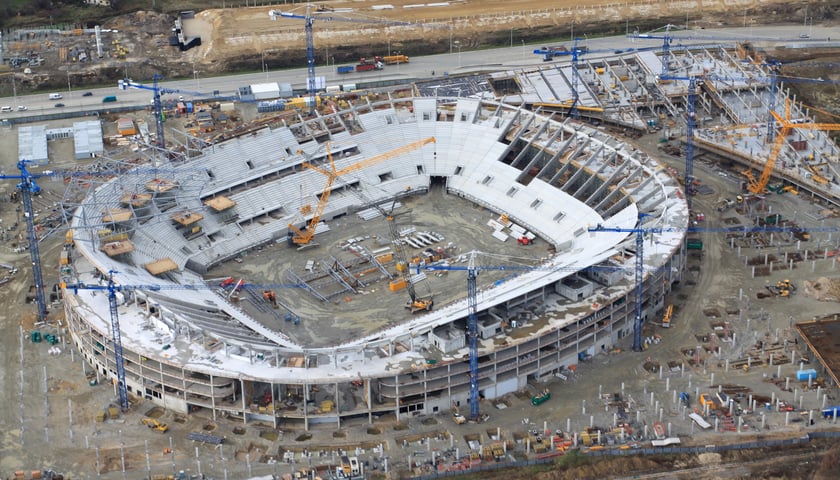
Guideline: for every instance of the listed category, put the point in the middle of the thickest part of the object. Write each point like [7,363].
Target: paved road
[459,61]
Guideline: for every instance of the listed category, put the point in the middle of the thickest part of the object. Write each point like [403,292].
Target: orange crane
[758,186]
[304,237]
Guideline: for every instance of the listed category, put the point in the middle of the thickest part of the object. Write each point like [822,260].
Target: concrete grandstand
[191,344]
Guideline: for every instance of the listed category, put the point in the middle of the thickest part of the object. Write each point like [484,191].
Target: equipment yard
[353,288]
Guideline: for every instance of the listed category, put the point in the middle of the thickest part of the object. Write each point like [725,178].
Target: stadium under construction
[417,187]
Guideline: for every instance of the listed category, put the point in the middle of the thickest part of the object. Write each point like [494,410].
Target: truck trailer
[394,59]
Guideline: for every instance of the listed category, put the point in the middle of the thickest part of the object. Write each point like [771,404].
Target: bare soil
[241,39]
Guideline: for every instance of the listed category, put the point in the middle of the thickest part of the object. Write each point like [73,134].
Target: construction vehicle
[155,425]
[783,288]
[709,401]
[302,238]
[541,397]
[270,297]
[415,303]
[456,415]
[666,319]
[368,64]
[394,59]
[349,467]
[725,204]
[309,19]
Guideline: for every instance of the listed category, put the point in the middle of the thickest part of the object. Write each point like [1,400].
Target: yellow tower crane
[758,186]
[304,237]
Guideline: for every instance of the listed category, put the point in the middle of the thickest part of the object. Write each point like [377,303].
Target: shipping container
[345,69]
[694,244]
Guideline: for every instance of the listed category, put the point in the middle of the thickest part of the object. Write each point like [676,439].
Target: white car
[22,108]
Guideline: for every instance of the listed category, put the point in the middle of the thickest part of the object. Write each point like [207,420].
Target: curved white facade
[186,346]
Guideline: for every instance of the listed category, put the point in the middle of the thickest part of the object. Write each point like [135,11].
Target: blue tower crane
[157,107]
[639,270]
[691,123]
[309,18]
[28,188]
[576,53]
[112,288]
[666,38]
[473,270]
[776,77]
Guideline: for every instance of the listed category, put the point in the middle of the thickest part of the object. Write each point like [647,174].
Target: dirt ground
[245,39]
[59,427]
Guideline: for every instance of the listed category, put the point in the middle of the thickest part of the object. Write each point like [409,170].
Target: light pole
[523,49]
[262,57]
[389,46]
[573,31]
[69,91]
[511,38]
[195,77]
[458,46]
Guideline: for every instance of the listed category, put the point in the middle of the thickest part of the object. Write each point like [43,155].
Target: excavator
[155,425]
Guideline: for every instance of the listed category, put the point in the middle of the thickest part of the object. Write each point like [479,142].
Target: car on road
[59,105]
[804,35]
[22,108]
[5,109]
[87,94]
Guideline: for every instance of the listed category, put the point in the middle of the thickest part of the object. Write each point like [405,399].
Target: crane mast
[28,187]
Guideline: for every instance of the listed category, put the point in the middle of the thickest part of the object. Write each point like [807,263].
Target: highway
[458,62]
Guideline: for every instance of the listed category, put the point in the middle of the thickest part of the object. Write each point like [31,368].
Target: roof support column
[213,397]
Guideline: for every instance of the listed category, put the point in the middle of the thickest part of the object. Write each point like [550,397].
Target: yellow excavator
[155,425]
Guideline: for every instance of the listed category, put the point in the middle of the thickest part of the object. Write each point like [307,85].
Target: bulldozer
[155,425]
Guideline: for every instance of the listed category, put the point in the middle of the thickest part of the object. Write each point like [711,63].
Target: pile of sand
[823,289]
